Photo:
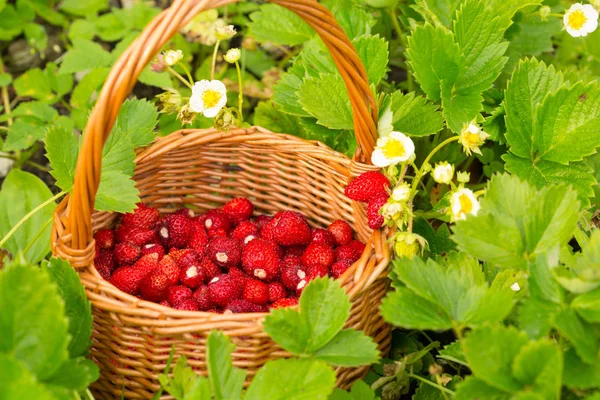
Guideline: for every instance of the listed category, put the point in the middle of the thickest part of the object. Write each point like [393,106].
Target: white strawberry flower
[401,192]
[580,20]
[208,97]
[463,202]
[443,172]
[392,149]
[172,57]
[471,137]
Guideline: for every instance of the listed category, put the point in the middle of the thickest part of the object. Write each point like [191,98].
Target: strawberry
[276,291]
[267,228]
[147,264]
[169,267]
[174,230]
[216,219]
[285,302]
[238,209]
[192,276]
[184,257]
[203,299]
[317,254]
[319,235]
[260,259]
[225,252]
[105,259]
[178,294]
[105,239]
[315,271]
[245,231]
[165,303]
[219,232]
[238,275]
[292,272]
[198,242]
[346,252]
[187,305]
[375,219]
[143,217]
[256,292]
[154,286]
[295,251]
[212,270]
[128,279]
[137,236]
[341,232]
[223,289]
[262,220]
[339,267]
[126,253]
[153,248]
[358,246]
[367,186]
[243,306]
[186,212]
[291,230]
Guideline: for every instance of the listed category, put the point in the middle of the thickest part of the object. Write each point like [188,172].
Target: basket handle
[126,70]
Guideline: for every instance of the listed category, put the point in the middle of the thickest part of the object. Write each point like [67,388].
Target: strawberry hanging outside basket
[132,338]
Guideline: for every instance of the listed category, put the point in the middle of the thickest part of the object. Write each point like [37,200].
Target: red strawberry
[153,248]
[292,272]
[128,279]
[317,254]
[154,286]
[203,299]
[215,219]
[169,267]
[126,253]
[106,260]
[291,230]
[256,292]
[105,239]
[260,259]
[295,251]
[346,252]
[175,230]
[192,276]
[276,291]
[375,219]
[187,305]
[135,235]
[341,232]
[339,267]
[165,303]
[223,289]
[225,252]
[184,257]
[245,231]
[367,186]
[238,209]
[268,227]
[186,212]
[178,294]
[244,306]
[238,275]
[147,263]
[315,271]
[198,242]
[219,232]
[212,270]
[262,220]
[286,302]
[319,235]
[143,217]
[358,246]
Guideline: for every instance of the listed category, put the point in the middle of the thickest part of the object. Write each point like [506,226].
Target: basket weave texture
[204,169]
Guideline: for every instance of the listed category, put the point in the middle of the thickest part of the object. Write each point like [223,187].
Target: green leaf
[75,374]
[373,51]
[22,135]
[539,367]
[303,379]
[185,384]
[422,314]
[36,36]
[158,79]
[18,383]
[116,193]
[39,342]
[110,28]
[443,10]
[77,307]
[82,29]
[62,150]
[35,109]
[84,55]
[91,82]
[474,388]
[269,117]
[225,380]
[118,153]
[349,348]
[582,272]
[459,105]
[5,79]
[21,193]
[579,375]
[286,327]
[273,23]
[579,333]
[414,116]
[355,21]
[34,83]
[285,91]
[453,352]
[326,99]
[83,8]
[588,306]
[137,119]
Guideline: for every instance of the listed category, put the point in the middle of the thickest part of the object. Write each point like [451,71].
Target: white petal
[217,86]
[196,104]
[378,159]
[409,147]
[573,32]
[212,112]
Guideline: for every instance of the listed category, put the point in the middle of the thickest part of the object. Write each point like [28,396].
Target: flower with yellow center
[172,57]
[463,202]
[392,149]
[208,97]
[443,172]
[471,138]
[580,19]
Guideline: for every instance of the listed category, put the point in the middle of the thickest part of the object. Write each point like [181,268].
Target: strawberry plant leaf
[359,391]
[118,153]
[538,367]
[75,374]
[84,55]
[226,381]
[285,91]
[185,383]
[581,273]
[473,388]
[18,383]
[326,99]
[414,116]
[269,117]
[273,23]
[579,333]
[588,306]
[91,82]
[137,119]
[21,193]
[304,379]
[535,316]
[85,8]
[579,375]
[22,135]
[373,51]
[349,348]
[116,192]
[34,83]
[355,21]
[286,327]
[35,110]
[62,150]
[422,314]
[454,353]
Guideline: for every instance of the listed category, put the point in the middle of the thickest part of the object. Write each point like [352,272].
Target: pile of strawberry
[371,188]
[224,260]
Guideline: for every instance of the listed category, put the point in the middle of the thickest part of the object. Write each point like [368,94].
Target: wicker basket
[205,168]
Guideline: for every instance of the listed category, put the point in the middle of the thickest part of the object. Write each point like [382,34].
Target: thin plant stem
[430,156]
[37,235]
[214,60]
[29,215]
[178,76]
[4,128]
[435,385]
[187,72]
[89,394]
[240,88]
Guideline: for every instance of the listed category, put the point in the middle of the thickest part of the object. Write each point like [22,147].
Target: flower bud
[172,57]
[159,64]
[463,177]
[545,12]
[401,192]
[443,172]
[225,32]
[232,56]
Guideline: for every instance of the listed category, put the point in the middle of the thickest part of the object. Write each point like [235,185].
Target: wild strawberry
[178,294]
[225,252]
[262,220]
[244,306]
[169,267]
[245,231]
[128,279]
[238,275]
[358,246]
[154,286]
[256,292]
[192,276]
[219,232]
[126,253]
[105,259]
[147,263]
[216,219]
[291,230]
[203,298]
[341,232]
[165,303]
[316,271]
[375,219]
[339,267]
[137,236]
[184,257]
[346,252]
[319,235]
[143,217]
[105,239]
[286,302]
[295,251]
[212,270]
[367,186]
[267,229]
[238,209]
[198,242]
[187,305]
[186,212]
[223,289]
[153,248]
[276,291]
[260,259]
[317,254]
[174,230]
[292,272]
